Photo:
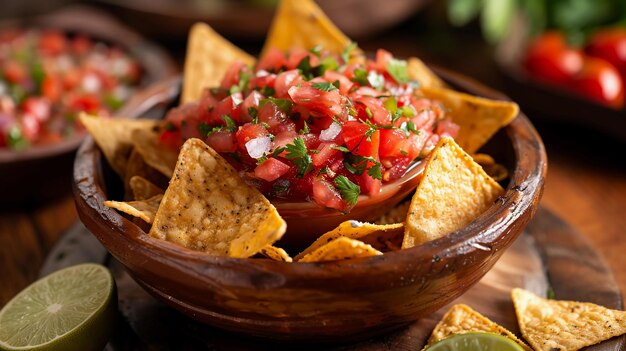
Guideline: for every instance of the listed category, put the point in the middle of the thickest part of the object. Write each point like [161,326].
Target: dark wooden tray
[550,255]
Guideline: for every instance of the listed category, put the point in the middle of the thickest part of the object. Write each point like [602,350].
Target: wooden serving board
[550,255]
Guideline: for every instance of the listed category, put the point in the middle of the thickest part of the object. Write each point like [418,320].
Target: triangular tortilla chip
[478,118]
[208,58]
[418,71]
[143,189]
[144,209]
[155,154]
[395,215]
[114,137]
[341,248]
[565,325]
[137,167]
[453,192]
[209,208]
[463,319]
[353,230]
[302,24]
[276,254]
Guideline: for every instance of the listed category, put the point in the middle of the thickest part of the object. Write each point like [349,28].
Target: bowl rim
[521,196]
[157,65]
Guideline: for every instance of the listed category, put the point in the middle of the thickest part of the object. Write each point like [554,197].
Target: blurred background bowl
[342,300]
[39,174]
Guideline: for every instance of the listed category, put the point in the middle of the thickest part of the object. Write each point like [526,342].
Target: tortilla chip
[495,170]
[565,325]
[208,58]
[418,70]
[478,118]
[342,248]
[302,24]
[350,229]
[114,137]
[276,254]
[209,208]
[395,215]
[156,155]
[453,192]
[144,209]
[463,319]
[137,167]
[143,189]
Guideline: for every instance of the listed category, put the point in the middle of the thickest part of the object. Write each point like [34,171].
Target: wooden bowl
[326,301]
[42,173]
[549,102]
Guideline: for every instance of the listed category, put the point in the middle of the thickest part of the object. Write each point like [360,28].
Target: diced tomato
[181,113]
[325,152]
[397,166]
[368,184]
[232,75]
[296,55]
[51,88]
[286,80]
[30,126]
[354,135]
[38,107]
[322,103]
[324,194]
[81,45]
[272,61]
[14,71]
[171,139]
[383,57]
[282,139]
[344,83]
[206,105]
[379,114]
[271,169]
[229,106]
[446,127]
[393,143]
[248,132]
[272,115]
[222,141]
[71,78]
[52,43]
[300,188]
[264,81]
[88,103]
[250,102]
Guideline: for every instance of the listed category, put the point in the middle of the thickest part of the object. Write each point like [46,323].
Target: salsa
[48,77]
[314,126]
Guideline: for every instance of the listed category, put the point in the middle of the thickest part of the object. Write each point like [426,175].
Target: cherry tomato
[610,44]
[550,59]
[600,81]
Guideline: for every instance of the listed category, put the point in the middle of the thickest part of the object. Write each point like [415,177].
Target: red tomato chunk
[307,125]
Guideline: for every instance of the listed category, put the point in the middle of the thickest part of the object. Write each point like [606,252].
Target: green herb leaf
[324,86]
[397,70]
[297,153]
[360,76]
[305,68]
[327,64]
[254,113]
[317,50]
[284,105]
[305,129]
[340,148]
[375,172]
[16,140]
[231,126]
[347,52]
[349,191]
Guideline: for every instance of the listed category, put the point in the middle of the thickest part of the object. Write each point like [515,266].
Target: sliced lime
[476,342]
[71,309]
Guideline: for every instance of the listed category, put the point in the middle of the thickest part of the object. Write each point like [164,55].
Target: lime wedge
[71,309]
[476,342]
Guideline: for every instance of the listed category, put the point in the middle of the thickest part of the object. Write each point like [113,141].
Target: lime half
[476,342]
[71,309]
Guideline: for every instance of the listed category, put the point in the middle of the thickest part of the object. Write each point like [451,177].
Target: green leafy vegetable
[298,154]
[284,105]
[324,86]
[349,191]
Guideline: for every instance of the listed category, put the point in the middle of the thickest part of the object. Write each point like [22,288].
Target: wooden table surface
[586,182]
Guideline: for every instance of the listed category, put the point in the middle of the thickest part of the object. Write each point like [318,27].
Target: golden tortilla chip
[495,170]
[395,215]
[209,208]
[156,155]
[350,229]
[143,189]
[276,254]
[453,192]
[462,319]
[114,137]
[565,325]
[208,58]
[137,167]
[342,248]
[478,118]
[144,209]
[302,24]
[418,70]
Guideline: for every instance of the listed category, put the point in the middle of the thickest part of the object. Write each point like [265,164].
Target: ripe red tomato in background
[600,81]
[550,59]
[610,44]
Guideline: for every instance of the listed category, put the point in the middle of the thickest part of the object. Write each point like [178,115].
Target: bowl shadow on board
[39,175]
[342,301]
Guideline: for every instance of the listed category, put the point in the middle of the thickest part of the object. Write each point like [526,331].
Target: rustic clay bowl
[41,173]
[327,301]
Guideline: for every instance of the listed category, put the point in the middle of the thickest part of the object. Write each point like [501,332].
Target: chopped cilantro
[408,128]
[340,148]
[398,71]
[357,164]
[282,104]
[324,86]
[360,76]
[267,91]
[244,79]
[375,172]
[317,50]
[16,139]
[278,151]
[349,191]
[305,129]
[170,127]
[323,171]
[305,68]
[254,113]
[261,159]
[347,52]
[404,152]
[327,64]
[231,126]
[297,153]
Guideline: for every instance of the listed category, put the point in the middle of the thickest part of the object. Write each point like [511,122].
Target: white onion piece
[331,133]
[258,147]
